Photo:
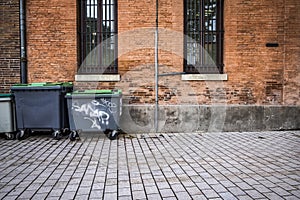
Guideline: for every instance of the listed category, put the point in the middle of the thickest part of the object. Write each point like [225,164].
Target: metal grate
[204,36]
[98,32]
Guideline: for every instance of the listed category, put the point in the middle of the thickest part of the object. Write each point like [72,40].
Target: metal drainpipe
[156,113]
[23,54]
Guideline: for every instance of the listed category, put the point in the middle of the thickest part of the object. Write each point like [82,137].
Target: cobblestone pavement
[263,165]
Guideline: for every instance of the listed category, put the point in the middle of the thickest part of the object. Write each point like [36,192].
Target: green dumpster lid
[5,95]
[39,84]
[96,92]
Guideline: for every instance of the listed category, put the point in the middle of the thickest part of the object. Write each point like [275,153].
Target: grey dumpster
[41,107]
[7,116]
[94,111]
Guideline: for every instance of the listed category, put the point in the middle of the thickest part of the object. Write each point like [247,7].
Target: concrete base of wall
[199,118]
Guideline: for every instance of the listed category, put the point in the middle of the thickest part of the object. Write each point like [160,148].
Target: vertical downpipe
[23,55]
[156,70]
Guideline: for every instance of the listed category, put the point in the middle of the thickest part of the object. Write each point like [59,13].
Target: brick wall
[9,44]
[256,74]
[291,76]
[51,39]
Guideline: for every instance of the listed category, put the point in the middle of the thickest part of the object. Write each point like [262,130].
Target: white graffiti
[110,105]
[93,113]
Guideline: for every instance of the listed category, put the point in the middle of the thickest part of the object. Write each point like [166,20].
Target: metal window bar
[204,36]
[98,50]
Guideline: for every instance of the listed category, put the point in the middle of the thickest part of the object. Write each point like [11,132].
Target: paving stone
[166,193]
[227,196]
[178,164]
[210,194]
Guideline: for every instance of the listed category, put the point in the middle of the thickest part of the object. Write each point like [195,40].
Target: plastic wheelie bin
[7,116]
[41,107]
[94,111]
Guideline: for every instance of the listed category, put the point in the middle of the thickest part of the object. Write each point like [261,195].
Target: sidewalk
[259,165]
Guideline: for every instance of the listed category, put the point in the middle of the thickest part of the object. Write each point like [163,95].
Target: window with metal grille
[204,36]
[98,36]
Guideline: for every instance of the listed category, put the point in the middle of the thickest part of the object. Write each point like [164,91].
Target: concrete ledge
[204,77]
[210,118]
[97,77]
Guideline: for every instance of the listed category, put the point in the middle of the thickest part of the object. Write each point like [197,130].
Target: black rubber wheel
[73,135]
[56,135]
[20,135]
[113,135]
[10,136]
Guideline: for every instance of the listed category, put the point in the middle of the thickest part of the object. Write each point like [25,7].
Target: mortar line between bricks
[165,160]
[85,144]
[36,152]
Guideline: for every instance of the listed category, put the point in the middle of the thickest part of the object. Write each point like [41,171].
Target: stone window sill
[204,77]
[98,77]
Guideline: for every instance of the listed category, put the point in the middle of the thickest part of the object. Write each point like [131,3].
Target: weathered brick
[256,74]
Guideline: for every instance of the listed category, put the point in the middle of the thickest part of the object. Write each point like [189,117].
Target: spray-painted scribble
[93,112]
[110,105]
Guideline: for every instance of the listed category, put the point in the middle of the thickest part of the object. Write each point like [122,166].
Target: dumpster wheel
[56,134]
[112,135]
[20,135]
[73,135]
[10,136]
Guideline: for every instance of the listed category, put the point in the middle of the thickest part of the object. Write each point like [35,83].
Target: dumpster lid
[43,84]
[95,92]
[5,95]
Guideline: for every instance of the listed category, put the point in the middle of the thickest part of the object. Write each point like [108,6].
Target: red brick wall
[291,76]
[52,40]
[9,44]
[256,74]
[251,66]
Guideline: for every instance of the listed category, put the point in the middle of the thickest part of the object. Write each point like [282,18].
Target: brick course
[9,44]
[52,40]
[256,74]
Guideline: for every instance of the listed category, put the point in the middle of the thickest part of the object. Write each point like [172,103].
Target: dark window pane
[98,52]
[204,36]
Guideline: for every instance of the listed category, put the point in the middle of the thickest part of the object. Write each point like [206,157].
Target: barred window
[204,36]
[98,31]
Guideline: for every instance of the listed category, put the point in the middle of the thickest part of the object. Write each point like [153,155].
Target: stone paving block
[227,196]
[236,191]
[212,162]
[154,196]
[254,194]
[219,188]
[166,193]
[138,195]
[209,193]
[67,195]
[124,191]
